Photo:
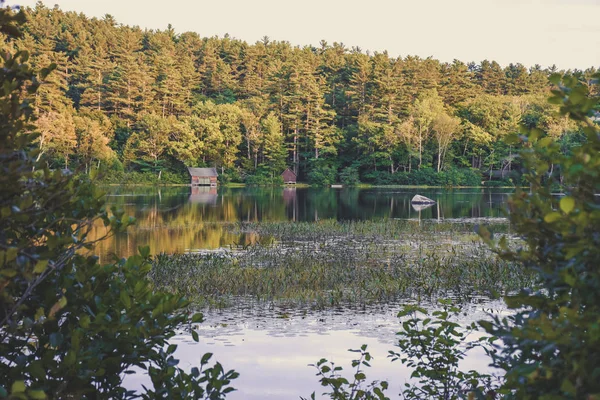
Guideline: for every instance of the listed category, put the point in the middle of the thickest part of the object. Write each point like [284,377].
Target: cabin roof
[203,172]
[288,170]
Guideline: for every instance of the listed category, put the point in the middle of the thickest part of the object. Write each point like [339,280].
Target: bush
[321,176]
[144,178]
[551,345]
[433,346]
[459,177]
[341,388]
[230,175]
[69,327]
[349,176]
[426,177]
[264,179]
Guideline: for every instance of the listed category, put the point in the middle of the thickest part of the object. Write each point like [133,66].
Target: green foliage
[551,346]
[69,327]
[349,176]
[460,177]
[432,346]
[119,177]
[321,175]
[427,177]
[228,176]
[264,178]
[174,100]
[356,389]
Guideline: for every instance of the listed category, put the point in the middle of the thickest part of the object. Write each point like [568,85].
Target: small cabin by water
[203,176]
[289,177]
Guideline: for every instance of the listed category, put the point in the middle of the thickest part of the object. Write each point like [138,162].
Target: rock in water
[421,207]
[418,199]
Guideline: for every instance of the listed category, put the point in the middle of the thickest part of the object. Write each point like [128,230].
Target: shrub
[321,175]
[229,175]
[341,388]
[264,179]
[69,327]
[432,347]
[425,176]
[349,176]
[551,345]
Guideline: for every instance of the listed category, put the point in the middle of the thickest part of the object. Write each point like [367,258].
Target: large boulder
[421,207]
[418,199]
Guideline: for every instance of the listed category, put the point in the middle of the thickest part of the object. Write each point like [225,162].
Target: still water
[269,345]
[179,219]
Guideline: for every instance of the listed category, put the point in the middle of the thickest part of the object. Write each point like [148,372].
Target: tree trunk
[420,147]
[295,155]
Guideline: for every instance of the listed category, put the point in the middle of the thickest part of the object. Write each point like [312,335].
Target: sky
[545,32]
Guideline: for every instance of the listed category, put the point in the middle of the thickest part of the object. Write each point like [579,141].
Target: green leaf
[197,318]
[124,297]
[37,370]
[56,339]
[552,217]
[70,358]
[18,387]
[144,251]
[205,358]
[545,142]
[567,386]
[11,254]
[555,78]
[37,394]
[40,266]
[59,305]
[567,204]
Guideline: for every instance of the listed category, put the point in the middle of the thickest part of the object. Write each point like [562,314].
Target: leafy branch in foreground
[432,347]
[69,327]
[341,388]
[551,345]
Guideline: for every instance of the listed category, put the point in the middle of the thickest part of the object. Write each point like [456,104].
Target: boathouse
[289,177]
[203,176]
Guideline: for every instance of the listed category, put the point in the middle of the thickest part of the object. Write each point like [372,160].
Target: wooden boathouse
[203,176]
[289,177]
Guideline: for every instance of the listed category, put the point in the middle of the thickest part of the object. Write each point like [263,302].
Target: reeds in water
[331,263]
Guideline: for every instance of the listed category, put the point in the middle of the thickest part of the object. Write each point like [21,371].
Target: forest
[145,104]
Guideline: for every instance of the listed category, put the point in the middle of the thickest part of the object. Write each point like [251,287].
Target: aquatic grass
[330,263]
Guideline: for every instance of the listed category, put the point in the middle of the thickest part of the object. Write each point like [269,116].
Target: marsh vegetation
[332,263]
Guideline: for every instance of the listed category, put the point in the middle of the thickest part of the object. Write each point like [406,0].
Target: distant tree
[445,128]
[425,110]
[274,150]
[94,132]
[149,142]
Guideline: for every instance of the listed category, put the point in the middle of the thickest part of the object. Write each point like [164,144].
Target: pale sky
[545,32]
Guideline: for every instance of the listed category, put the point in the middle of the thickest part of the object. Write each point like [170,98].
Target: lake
[271,342]
[180,219]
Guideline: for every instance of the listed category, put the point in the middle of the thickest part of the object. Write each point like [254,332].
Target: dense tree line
[146,100]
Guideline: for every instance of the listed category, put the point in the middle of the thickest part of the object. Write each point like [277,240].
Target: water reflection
[178,219]
[271,347]
[203,195]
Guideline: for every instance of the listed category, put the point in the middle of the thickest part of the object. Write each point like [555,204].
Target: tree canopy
[156,100]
